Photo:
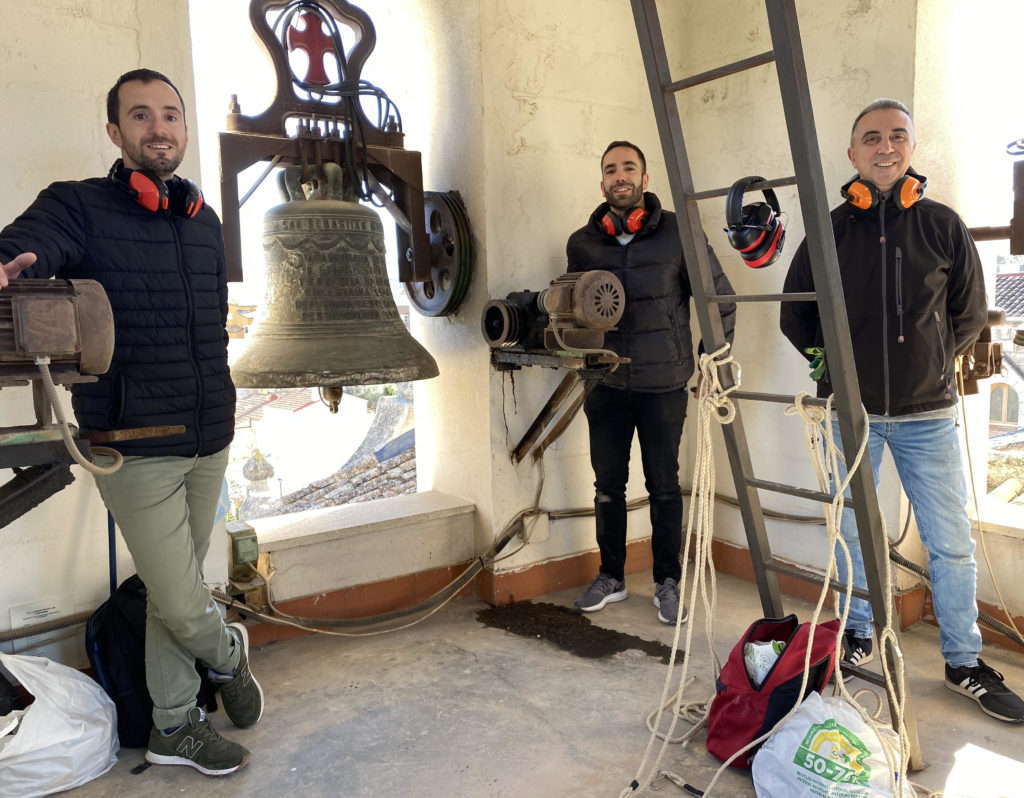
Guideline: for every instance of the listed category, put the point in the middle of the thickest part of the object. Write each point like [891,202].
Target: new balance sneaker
[602,590]
[985,685]
[240,693]
[666,599]
[857,650]
[198,745]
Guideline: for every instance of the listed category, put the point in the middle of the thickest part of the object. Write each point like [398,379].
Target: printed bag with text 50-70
[825,750]
[743,708]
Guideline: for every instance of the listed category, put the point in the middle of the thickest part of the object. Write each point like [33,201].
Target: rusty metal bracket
[559,411]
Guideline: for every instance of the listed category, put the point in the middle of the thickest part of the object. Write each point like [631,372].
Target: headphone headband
[613,225]
[755,230]
[734,216]
[864,194]
[178,196]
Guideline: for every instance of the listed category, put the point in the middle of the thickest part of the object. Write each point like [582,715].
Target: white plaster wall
[557,100]
[561,80]
[511,102]
[967,111]
[854,52]
[60,58]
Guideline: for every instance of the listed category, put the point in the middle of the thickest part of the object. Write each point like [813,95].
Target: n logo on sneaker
[189,747]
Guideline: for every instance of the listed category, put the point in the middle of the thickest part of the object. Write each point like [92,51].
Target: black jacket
[654,331]
[165,278]
[915,298]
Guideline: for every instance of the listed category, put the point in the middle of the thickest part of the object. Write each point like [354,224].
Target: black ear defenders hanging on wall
[181,197]
[615,225]
[755,230]
[863,194]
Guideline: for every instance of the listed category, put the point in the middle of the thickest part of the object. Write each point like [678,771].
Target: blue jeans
[657,418]
[927,457]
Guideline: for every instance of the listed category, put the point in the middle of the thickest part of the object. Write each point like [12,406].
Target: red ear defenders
[865,195]
[756,229]
[615,225]
[181,197]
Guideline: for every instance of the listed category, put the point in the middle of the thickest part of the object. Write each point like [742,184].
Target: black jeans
[658,418]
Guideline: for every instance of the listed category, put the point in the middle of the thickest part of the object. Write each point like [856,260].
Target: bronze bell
[328,319]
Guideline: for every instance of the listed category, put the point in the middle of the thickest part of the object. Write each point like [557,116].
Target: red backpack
[742,711]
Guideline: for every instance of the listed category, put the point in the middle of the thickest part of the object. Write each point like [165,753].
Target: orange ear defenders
[180,196]
[755,230]
[615,225]
[865,195]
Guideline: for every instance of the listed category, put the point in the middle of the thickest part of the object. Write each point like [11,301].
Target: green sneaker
[198,745]
[240,693]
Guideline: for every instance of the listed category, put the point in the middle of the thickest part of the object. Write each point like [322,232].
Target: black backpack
[10,700]
[115,641]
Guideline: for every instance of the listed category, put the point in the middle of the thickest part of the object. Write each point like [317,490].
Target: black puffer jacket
[166,281]
[654,331]
[915,298]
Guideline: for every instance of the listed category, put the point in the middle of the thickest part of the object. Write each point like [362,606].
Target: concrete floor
[451,707]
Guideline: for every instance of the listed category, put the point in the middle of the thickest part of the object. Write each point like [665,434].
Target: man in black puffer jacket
[144,234]
[631,236]
[915,300]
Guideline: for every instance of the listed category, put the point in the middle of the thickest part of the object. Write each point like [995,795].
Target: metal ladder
[787,53]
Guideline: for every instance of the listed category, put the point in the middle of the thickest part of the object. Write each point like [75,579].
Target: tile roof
[250,402]
[1010,294]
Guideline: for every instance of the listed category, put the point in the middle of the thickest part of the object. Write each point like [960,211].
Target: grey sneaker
[666,599]
[857,650]
[240,693]
[198,745]
[985,685]
[602,590]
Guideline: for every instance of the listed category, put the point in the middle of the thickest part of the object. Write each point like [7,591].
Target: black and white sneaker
[985,685]
[857,651]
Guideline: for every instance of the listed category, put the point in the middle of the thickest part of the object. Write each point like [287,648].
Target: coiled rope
[714,401]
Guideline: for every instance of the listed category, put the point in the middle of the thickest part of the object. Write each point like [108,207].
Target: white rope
[713,402]
[826,460]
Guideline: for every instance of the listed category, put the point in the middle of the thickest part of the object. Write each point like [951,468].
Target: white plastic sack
[760,656]
[825,750]
[66,737]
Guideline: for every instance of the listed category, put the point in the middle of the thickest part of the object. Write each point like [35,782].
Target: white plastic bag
[759,658]
[825,750]
[66,737]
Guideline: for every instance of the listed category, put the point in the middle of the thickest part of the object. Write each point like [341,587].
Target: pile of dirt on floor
[569,630]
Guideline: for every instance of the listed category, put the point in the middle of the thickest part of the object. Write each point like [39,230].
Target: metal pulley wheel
[450,256]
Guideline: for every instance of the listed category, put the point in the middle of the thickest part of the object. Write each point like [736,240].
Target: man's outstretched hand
[11,269]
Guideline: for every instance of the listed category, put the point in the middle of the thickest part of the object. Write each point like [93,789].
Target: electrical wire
[350,92]
[1016,636]
[43,363]
[396,620]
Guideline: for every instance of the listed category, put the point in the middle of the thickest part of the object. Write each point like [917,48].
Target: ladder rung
[780,398]
[807,296]
[721,72]
[761,185]
[812,577]
[863,673]
[803,493]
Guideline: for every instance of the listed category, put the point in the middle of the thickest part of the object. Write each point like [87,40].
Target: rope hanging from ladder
[714,402]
